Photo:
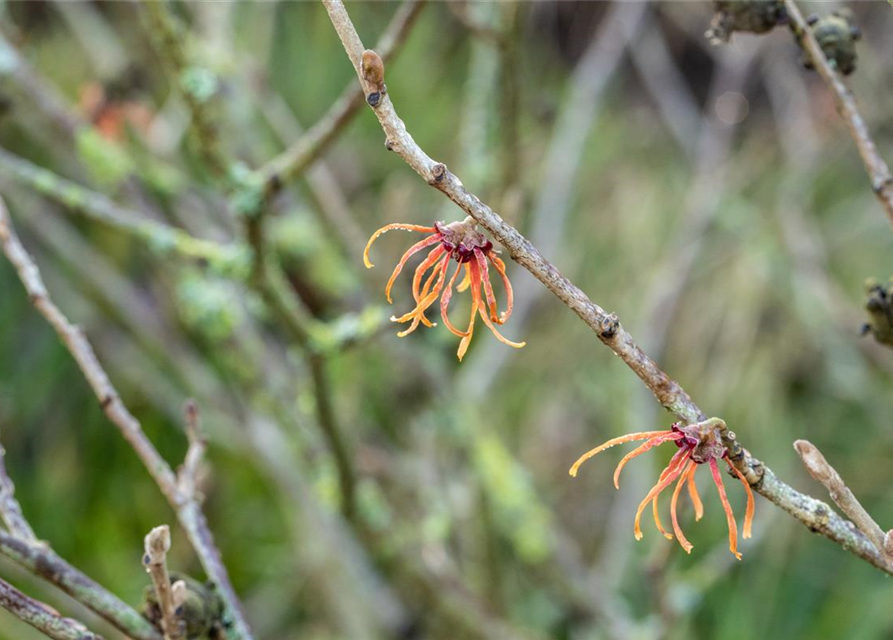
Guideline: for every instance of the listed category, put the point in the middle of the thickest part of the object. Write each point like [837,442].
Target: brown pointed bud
[373,69]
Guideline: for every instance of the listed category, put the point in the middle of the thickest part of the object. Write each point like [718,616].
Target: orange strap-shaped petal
[391,227]
[476,295]
[423,267]
[686,475]
[664,436]
[484,270]
[509,294]
[748,514]
[414,249]
[655,491]
[630,437]
[694,495]
[730,517]
[445,304]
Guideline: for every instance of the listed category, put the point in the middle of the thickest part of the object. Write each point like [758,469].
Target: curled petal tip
[572,472]
[668,536]
[688,548]
[638,535]
[737,556]
[366,262]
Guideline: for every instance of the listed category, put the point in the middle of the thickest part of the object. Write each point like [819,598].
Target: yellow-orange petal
[445,305]
[429,262]
[418,314]
[665,436]
[435,272]
[466,281]
[391,227]
[629,437]
[730,517]
[509,294]
[687,472]
[748,514]
[660,527]
[484,271]
[464,342]
[694,495]
[655,491]
[414,249]
[476,294]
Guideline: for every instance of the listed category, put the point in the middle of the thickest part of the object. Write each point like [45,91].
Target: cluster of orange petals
[473,253]
[698,444]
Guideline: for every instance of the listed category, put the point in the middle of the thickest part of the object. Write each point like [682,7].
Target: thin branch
[42,561]
[157,544]
[21,545]
[300,155]
[477,28]
[813,513]
[10,509]
[168,40]
[188,510]
[41,616]
[187,474]
[160,237]
[44,96]
[878,171]
[274,289]
[823,472]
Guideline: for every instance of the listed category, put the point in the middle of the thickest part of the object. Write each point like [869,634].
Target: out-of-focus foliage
[464,486]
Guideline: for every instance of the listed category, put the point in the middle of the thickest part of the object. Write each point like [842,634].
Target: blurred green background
[717,205]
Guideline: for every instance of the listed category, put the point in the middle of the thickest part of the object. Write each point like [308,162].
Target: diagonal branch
[42,617]
[878,171]
[10,509]
[42,561]
[820,470]
[814,514]
[187,508]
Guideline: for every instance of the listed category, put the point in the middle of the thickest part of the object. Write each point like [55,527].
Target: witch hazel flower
[473,253]
[699,443]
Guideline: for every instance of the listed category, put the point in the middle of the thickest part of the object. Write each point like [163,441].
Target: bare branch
[187,474]
[41,616]
[98,207]
[168,40]
[814,514]
[823,472]
[42,561]
[44,96]
[878,171]
[10,509]
[157,544]
[188,510]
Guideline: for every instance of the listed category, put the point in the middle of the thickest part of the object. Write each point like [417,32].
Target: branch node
[438,173]
[608,327]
